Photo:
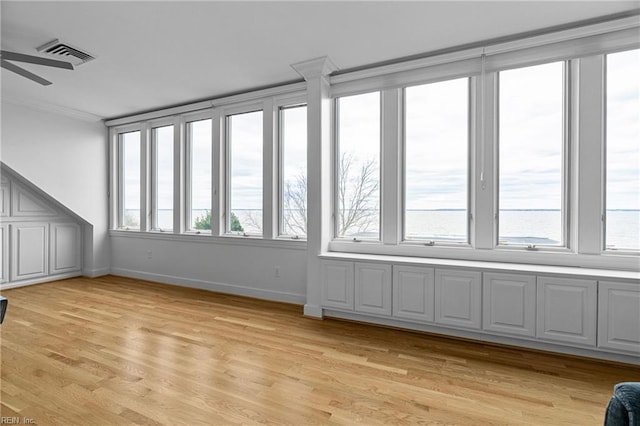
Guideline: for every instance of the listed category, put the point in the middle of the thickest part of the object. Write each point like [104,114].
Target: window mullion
[390,166]
[484,190]
[117,181]
[145,179]
[589,141]
[218,171]
[179,189]
[269,171]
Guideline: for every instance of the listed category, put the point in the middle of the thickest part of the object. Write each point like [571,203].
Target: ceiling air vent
[65,52]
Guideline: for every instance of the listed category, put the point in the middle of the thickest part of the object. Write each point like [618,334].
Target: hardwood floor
[120,351]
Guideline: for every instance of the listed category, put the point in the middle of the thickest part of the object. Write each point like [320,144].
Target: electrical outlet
[149,254]
[277,271]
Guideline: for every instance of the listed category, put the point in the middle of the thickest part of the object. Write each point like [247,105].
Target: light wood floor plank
[122,351]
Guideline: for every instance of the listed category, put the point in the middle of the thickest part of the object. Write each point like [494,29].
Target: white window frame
[604,250]
[470,161]
[583,231]
[565,207]
[188,119]
[335,112]
[280,104]
[117,183]
[170,121]
[225,114]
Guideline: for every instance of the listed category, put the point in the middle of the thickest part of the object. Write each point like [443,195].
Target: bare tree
[356,199]
[356,212]
[294,207]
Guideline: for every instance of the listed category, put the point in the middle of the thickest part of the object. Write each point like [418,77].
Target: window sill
[559,257]
[210,239]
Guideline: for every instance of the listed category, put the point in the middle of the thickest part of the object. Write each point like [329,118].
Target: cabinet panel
[413,293]
[337,284]
[65,248]
[5,198]
[567,310]
[619,316]
[373,288]
[458,298]
[30,251]
[509,302]
[4,253]
[26,204]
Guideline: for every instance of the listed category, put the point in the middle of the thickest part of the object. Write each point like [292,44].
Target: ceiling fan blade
[21,71]
[12,56]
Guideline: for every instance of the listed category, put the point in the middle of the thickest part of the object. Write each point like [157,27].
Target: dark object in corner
[624,406]
[3,307]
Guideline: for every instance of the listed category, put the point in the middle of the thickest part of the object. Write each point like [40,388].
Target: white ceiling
[157,54]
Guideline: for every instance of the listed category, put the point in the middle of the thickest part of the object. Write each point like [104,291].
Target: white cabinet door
[5,198]
[4,253]
[509,303]
[65,248]
[619,316]
[29,251]
[567,310]
[413,293]
[458,298]
[373,288]
[337,284]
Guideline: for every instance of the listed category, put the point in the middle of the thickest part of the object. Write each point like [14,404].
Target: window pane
[245,174]
[358,198]
[531,155]
[436,161]
[163,191]
[130,145]
[294,170]
[623,151]
[199,134]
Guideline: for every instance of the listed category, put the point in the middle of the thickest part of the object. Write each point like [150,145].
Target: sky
[436,161]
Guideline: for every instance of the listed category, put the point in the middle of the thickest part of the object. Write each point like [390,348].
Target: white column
[319,224]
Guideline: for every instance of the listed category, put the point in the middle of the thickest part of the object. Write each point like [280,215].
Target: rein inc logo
[16,421]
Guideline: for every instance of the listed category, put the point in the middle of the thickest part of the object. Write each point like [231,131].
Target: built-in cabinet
[38,239]
[373,288]
[413,293]
[337,285]
[509,302]
[66,247]
[600,315]
[458,301]
[567,310]
[619,316]
[30,250]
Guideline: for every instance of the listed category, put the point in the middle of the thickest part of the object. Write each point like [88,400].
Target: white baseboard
[40,280]
[277,296]
[313,311]
[98,272]
[481,337]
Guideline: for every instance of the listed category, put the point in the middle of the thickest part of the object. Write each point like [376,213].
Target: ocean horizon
[535,226]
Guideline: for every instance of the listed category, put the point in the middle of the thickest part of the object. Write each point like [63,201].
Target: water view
[517,226]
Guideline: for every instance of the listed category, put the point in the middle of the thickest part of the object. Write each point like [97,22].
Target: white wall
[225,267]
[66,158]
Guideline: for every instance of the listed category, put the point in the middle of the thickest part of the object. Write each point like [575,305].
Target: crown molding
[316,67]
[52,108]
